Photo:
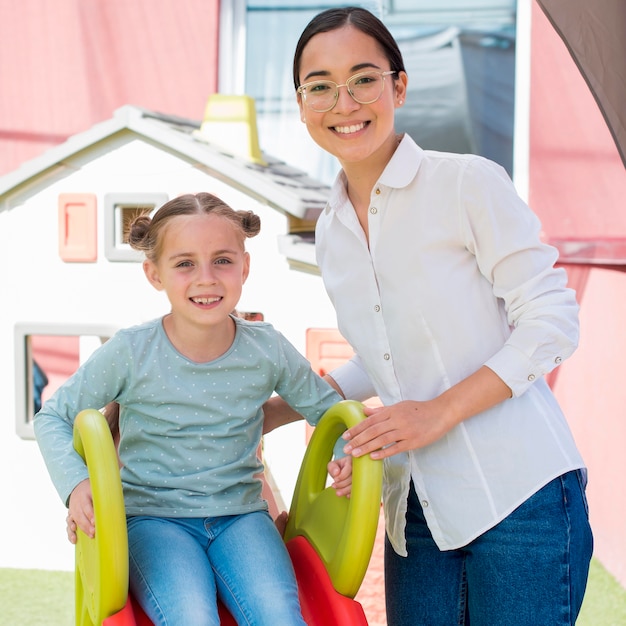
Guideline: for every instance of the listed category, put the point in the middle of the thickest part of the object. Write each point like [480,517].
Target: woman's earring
[400,101]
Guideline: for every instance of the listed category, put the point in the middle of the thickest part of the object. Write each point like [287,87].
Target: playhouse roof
[281,186]
[273,182]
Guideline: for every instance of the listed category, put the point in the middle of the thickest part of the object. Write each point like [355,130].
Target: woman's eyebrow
[354,68]
[319,73]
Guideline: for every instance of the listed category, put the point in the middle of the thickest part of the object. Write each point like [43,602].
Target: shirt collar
[403,165]
[400,171]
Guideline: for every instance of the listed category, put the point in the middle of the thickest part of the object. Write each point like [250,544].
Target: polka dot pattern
[189,432]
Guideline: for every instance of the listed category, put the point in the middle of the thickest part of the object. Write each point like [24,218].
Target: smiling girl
[191,387]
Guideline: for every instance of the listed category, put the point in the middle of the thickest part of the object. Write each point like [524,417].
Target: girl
[191,387]
[455,312]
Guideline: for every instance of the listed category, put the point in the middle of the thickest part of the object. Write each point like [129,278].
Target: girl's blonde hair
[145,232]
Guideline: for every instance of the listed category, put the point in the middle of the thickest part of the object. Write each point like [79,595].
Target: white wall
[38,287]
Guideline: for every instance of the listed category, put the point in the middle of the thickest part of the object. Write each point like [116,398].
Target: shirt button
[386,356]
[373,210]
[424,504]
[378,191]
[377,308]
[558,359]
[531,377]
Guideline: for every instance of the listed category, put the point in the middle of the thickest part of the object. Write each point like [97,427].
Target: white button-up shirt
[454,277]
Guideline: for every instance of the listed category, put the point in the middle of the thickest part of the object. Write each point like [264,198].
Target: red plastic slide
[329,539]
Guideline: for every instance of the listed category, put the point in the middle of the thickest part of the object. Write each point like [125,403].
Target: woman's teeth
[346,130]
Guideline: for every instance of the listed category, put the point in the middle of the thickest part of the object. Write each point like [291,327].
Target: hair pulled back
[145,232]
[363,20]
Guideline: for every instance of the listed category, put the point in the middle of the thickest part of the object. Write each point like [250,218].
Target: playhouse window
[46,355]
[120,209]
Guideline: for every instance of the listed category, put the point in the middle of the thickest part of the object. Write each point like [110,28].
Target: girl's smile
[206,301]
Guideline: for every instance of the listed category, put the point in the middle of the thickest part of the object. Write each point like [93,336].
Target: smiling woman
[460,371]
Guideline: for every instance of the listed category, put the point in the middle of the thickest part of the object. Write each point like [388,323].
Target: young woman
[455,312]
[191,387]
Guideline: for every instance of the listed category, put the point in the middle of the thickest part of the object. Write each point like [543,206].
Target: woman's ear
[152,274]
[400,87]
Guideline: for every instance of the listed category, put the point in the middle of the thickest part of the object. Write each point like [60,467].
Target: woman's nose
[345,102]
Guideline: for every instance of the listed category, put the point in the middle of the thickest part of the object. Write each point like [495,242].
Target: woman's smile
[351,129]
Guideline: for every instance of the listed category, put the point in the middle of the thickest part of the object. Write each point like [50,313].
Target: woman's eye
[223,261]
[185,264]
[319,88]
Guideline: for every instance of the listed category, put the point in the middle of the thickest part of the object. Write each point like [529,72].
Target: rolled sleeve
[353,380]
[541,311]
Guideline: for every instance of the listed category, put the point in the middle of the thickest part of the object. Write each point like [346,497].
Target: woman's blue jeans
[529,570]
[179,565]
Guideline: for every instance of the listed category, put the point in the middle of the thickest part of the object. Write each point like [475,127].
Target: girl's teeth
[205,300]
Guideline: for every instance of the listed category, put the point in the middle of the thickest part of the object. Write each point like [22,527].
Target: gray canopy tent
[595,35]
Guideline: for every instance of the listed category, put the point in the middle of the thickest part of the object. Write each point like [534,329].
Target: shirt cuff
[515,369]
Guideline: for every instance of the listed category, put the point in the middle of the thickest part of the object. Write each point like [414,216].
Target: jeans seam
[463,595]
[233,596]
[153,600]
[568,552]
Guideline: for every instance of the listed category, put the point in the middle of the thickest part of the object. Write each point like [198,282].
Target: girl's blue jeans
[179,565]
[529,570]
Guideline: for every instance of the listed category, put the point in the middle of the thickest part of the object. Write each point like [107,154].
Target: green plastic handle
[101,578]
[342,530]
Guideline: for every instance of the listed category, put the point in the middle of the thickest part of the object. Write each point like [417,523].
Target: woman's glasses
[364,87]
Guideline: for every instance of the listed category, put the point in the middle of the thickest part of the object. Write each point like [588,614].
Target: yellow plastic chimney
[230,123]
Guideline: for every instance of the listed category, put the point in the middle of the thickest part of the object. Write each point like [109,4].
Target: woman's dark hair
[363,20]
[145,232]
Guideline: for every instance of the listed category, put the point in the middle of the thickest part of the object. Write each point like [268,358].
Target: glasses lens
[366,87]
[320,95]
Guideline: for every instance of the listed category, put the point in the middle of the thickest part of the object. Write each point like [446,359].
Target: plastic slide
[329,539]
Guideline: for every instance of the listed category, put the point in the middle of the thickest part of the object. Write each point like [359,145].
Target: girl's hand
[70,528]
[80,512]
[281,522]
[341,472]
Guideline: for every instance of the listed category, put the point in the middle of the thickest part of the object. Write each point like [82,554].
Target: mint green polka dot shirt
[189,432]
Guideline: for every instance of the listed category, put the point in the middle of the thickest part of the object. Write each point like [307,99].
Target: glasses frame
[302,89]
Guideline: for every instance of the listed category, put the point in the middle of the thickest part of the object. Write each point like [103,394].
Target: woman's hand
[397,428]
[412,424]
[80,512]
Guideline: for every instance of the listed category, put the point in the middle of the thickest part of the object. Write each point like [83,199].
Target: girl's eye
[223,261]
[185,264]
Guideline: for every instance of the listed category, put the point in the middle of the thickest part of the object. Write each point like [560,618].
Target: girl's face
[350,131]
[202,268]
